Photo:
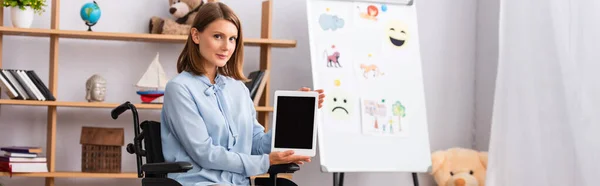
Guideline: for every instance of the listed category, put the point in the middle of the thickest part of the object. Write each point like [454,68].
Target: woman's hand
[276,158]
[321,94]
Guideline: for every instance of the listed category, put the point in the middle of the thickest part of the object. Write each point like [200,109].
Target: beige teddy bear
[184,12]
[459,167]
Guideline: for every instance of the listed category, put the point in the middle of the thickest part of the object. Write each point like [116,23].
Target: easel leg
[415,179]
[338,179]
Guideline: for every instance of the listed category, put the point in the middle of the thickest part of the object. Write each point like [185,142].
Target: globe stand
[89,26]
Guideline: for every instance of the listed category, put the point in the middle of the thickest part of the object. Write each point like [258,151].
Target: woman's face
[217,43]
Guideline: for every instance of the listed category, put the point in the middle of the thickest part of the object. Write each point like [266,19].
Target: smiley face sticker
[396,33]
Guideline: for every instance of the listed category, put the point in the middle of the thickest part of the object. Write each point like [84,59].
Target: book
[22,159]
[24,85]
[8,87]
[22,149]
[255,78]
[13,81]
[40,85]
[261,87]
[12,167]
[25,155]
[36,92]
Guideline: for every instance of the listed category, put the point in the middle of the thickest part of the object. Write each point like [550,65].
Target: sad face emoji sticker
[339,104]
[396,33]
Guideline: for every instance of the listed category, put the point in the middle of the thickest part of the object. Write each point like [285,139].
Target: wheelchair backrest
[152,141]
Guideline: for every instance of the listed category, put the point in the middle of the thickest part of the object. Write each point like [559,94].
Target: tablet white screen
[294,122]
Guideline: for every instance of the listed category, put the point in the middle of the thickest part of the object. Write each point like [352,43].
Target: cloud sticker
[332,22]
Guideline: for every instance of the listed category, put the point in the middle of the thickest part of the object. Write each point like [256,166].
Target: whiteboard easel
[365,54]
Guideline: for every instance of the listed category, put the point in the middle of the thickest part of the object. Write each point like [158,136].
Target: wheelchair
[154,172]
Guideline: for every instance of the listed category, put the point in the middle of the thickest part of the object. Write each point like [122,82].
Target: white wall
[485,71]
[448,40]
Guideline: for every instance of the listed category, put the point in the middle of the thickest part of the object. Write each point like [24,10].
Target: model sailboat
[152,84]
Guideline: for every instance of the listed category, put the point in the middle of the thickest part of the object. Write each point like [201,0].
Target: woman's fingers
[300,158]
[287,153]
[288,157]
[284,156]
[321,97]
[320,91]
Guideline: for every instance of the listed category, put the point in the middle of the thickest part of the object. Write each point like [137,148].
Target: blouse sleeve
[189,128]
[261,140]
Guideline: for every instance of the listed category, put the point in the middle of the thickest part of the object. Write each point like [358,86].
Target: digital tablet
[295,122]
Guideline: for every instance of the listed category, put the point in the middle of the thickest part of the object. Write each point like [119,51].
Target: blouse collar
[213,88]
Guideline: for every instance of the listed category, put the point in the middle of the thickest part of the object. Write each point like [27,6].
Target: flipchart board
[365,55]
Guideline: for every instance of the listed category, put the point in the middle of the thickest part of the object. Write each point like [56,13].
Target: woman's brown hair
[190,58]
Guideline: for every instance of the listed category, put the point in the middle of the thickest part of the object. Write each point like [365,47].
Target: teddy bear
[184,12]
[459,167]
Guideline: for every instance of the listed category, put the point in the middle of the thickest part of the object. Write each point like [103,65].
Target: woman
[208,118]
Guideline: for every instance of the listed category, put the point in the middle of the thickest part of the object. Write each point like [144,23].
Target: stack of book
[22,159]
[256,84]
[24,85]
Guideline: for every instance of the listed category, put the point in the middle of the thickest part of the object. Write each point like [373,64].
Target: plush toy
[459,167]
[184,12]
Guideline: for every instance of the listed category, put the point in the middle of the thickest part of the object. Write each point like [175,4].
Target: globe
[90,13]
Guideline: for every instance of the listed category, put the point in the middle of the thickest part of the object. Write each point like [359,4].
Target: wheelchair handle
[136,129]
[120,109]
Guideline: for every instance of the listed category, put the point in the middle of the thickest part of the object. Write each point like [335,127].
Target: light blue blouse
[214,127]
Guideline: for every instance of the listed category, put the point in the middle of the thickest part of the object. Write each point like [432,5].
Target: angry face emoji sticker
[396,33]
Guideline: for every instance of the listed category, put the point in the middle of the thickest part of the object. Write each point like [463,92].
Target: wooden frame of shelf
[116,36]
[128,175]
[265,42]
[95,104]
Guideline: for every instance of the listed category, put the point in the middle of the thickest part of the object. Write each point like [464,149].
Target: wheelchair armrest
[284,168]
[163,168]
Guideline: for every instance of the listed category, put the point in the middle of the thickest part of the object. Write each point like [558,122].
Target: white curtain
[546,119]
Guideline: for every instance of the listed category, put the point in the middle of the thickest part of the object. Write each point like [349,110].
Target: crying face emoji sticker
[396,33]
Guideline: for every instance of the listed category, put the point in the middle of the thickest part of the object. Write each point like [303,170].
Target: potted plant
[22,11]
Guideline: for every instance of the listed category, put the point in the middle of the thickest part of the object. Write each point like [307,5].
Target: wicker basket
[101,149]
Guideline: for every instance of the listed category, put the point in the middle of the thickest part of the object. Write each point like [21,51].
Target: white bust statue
[95,88]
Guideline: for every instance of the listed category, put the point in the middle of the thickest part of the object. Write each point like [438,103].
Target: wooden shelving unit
[265,42]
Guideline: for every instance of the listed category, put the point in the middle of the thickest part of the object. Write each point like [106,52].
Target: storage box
[101,149]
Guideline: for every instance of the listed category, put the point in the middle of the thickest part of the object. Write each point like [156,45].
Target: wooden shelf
[72,175]
[101,175]
[121,36]
[94,105]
